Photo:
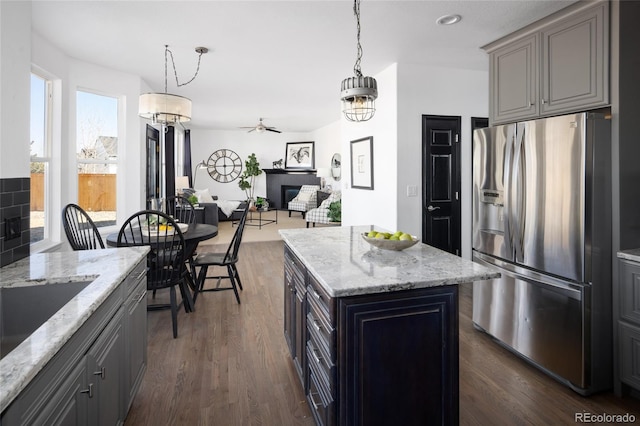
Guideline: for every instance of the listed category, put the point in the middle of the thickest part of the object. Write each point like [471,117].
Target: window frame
[47,159]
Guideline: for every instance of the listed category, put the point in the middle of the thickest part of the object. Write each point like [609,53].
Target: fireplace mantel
[289,171]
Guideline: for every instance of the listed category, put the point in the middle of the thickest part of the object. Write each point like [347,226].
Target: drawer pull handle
[313,401]
[317,295]
[316,357]
[88,391]
[316,325]
[143,293]
[100,373]
[142,274]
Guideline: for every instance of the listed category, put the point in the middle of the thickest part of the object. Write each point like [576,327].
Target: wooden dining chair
[181,209]
[228,259]
[166,267]
[81,231]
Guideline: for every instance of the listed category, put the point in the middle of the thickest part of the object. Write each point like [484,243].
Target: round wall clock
[224,165]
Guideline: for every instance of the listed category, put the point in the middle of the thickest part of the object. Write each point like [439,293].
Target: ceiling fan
[261,128]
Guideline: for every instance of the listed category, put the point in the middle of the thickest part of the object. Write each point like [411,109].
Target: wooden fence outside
[97,192]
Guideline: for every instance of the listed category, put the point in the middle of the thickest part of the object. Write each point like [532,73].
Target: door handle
[431,208]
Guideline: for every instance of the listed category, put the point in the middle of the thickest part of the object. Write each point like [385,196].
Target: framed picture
[299,155]
[362,163]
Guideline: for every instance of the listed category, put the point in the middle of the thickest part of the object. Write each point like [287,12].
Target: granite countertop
[346,265]
[106,268]
[632,254]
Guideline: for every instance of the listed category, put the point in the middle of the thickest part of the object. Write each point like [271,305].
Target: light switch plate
[412,190]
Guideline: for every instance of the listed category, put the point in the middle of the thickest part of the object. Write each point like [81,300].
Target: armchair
[305,200]
[321,214]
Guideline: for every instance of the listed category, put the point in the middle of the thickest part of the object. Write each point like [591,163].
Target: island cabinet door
[398,358]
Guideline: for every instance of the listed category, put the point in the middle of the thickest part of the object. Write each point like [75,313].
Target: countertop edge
[631,254]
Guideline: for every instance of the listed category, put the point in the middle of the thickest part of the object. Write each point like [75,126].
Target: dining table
[195,233]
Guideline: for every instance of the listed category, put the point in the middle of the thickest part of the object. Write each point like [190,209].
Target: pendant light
[165,108]
[358,93]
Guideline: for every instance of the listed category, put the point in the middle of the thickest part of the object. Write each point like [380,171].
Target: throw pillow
[204,196]
[303,197]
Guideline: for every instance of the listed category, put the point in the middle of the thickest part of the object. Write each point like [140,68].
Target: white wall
[435,91]
[377,206]
[15,65]
[327,142]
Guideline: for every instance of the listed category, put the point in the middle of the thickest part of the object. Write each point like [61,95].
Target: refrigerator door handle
[507,176]
[518,207]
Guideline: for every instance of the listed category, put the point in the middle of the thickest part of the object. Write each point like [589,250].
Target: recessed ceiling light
[448,19]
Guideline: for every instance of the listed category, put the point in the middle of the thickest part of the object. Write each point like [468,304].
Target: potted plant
[335,211]
[248,176]
[193,199]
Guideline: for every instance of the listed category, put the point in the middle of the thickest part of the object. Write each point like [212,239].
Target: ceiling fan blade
[272,130]
[252,129]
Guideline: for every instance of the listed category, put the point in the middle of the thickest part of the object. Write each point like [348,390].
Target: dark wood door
[441,182]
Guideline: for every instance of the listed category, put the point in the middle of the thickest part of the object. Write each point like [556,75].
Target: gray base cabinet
[376,359]
[556,66]
[94,376]
[629,323]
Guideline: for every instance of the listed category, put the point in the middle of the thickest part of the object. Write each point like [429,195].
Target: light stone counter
[632,254]
[107,268]
[346,265]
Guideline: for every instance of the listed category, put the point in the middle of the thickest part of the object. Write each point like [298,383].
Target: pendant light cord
[356,11]
[167,53]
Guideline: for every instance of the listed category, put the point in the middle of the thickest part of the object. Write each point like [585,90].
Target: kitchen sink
[24,309]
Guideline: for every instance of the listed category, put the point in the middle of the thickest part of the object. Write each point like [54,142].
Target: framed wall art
[362,163]
[299,155]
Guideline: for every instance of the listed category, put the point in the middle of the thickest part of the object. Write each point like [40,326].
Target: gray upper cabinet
[514,80]
[555,66]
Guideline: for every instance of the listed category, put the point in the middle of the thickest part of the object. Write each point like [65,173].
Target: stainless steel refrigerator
[542,215]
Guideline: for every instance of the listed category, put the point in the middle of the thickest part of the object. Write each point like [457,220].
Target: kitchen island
[374,333]
[99,313]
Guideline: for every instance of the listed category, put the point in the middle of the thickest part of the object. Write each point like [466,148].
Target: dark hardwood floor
[230,365]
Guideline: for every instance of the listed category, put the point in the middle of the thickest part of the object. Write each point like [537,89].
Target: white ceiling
[281,60]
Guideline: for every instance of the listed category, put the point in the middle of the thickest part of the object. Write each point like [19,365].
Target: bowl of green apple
[387,241]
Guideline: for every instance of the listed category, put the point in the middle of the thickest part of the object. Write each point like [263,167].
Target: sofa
[321,213]
[213,213]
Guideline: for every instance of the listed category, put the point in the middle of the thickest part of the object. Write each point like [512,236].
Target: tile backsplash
[14,219]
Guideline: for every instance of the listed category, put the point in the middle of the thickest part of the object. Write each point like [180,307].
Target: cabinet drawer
[294,265]
[630,291]
[322,332]
[139,273]
[629,354]
[319,297]
[321,367]
[321,404]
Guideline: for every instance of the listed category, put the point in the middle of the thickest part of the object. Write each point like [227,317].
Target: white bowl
[396,245]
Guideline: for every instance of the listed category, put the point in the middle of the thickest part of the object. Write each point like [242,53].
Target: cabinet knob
[543,102]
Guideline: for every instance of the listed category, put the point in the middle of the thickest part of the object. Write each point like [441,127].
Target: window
[40,123]
[97,155]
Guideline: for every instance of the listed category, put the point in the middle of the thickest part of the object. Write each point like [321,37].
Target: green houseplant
[248,176]
[335,211]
